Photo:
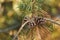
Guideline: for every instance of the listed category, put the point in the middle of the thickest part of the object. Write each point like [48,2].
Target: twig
[20,30]
[53,21]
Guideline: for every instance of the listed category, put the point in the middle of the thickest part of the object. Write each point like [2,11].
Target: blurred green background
[12,11]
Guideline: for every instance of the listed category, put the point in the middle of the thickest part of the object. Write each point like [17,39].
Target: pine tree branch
[53,21]
[20,30]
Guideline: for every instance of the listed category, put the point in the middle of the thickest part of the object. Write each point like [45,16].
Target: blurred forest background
[12,13]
